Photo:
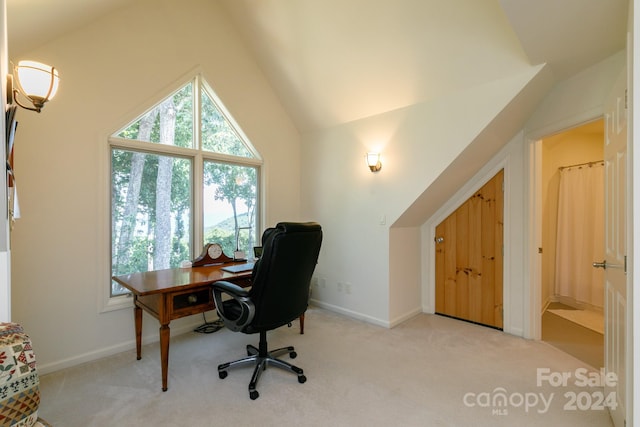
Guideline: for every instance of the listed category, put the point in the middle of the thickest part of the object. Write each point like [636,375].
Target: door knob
[439,239]
[604,264]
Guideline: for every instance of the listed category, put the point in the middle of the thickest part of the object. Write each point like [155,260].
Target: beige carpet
[587,318]
[428,371]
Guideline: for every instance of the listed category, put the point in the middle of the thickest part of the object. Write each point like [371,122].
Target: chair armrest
[236,312]
[230,288]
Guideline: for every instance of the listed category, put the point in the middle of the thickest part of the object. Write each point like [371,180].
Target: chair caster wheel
[293,355]
[253,394]
[223,374]
[302,379]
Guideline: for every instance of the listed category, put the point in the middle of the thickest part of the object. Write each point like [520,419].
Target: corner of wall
[5,275]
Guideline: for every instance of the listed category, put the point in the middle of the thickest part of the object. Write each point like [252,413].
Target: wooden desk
[171,294]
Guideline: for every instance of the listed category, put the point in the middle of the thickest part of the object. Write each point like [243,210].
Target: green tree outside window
[154,178]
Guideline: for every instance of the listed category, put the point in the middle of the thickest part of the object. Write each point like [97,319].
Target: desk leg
[164,353]
[137,314]
[302,323]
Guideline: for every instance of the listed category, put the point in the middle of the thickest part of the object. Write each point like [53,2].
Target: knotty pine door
[469,258]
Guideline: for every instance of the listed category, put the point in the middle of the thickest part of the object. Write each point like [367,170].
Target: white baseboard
[398,320]
[109,351]
[545,305]
[579,305]
[350,313]
[518,332]
[154,337]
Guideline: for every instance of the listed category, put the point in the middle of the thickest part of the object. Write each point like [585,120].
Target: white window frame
[196,155]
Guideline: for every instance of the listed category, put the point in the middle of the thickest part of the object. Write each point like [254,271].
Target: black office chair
[279,295]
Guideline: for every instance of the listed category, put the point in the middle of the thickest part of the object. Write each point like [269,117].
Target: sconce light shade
[36,81]
[373,161]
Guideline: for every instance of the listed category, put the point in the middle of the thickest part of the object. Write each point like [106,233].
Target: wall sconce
[373,161]
[35,81]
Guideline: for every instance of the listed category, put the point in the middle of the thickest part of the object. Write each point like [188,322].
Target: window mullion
[149,147]
[198,210]
[197,114]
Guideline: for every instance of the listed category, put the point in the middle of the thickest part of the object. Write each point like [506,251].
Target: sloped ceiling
[570,35]
[334,61]
[32,23]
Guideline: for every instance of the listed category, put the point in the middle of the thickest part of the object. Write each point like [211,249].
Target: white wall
[570,102]
[357,208]
[383,264]
[575,100]
[5,253]
[112,70]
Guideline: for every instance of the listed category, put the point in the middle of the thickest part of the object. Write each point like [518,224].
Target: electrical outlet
[322,282]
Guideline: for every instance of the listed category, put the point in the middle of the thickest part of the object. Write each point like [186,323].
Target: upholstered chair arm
[230,288]
[236,312]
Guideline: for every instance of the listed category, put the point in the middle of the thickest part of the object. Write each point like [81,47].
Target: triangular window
[175,111]
[171,122]
[182,175]
[217,133]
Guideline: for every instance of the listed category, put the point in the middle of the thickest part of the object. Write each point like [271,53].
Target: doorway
[572,223]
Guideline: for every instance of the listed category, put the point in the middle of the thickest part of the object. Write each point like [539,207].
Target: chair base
[261,357]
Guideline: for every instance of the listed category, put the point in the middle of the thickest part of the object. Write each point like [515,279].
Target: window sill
[117,303]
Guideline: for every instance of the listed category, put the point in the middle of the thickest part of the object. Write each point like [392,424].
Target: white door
[615,157]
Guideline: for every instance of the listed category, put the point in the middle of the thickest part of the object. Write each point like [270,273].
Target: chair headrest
[291,227]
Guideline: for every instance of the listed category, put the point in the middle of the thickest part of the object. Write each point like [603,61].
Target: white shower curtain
[580,235]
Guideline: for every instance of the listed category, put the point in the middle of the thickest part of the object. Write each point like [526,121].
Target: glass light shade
[373,161]
[35,80]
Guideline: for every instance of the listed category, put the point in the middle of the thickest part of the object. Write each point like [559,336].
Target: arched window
[182,174]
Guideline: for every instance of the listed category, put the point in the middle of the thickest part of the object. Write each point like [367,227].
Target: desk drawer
[193,302]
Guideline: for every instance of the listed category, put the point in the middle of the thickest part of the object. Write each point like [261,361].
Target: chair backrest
[282,275]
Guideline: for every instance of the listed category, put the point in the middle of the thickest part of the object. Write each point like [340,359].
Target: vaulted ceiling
[335,61]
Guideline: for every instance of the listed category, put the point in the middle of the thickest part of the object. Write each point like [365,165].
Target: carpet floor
[428,371]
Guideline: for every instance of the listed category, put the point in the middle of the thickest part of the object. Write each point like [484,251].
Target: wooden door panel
[463,307]
[492,236]
[473,264]
[469,258]
[440,273]
[450,283]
